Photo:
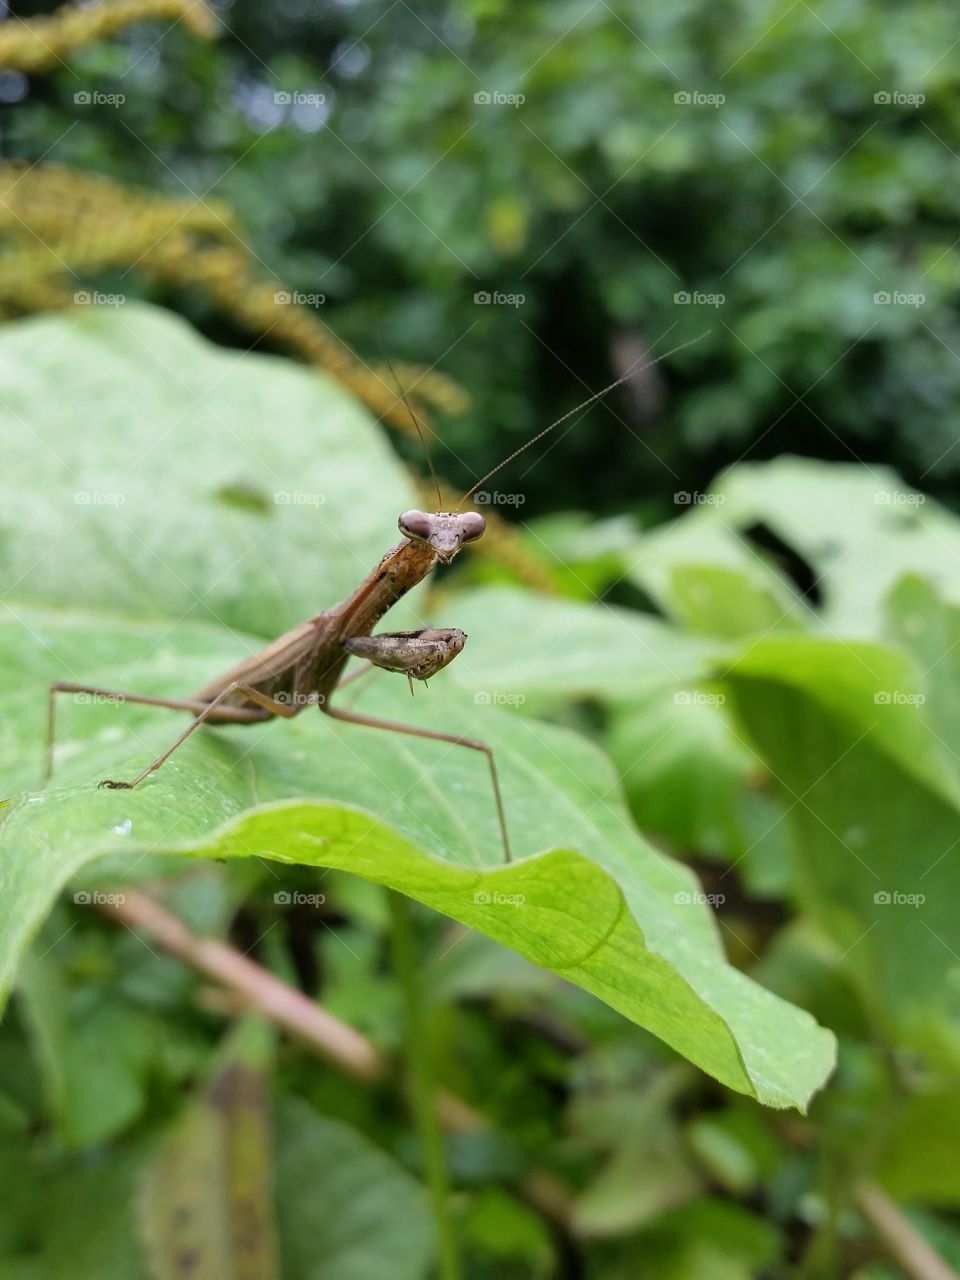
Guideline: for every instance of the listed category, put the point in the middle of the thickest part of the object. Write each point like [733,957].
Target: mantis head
[444,531]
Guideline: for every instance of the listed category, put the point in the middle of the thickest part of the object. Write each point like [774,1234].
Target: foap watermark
[695,898]
[697,98]
[494,498]
[685,498]
[896,298]
[97,898]
[498,698]
[94,98]
[897,98]
[698,698]
[87,698]
[896,898]
[93,298]
[484,298]
[301,700]
[298,498]
[298,98]
[494,98]
[94,498]
[897,698]
[897,498]
[294,298]
[296,898]
[494,898]
[695,298]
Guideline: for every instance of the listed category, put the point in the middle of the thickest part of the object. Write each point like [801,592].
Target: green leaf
[69,1219]
[603,908]
[527,648]
[346,1210]
[95,1052]
[928,627]
[925,1170]
[712,580]
[683,768]
[873,806]
[714,1238]
[588,898]
[647,1168]
[857,527]
[208,488]
[206,1207]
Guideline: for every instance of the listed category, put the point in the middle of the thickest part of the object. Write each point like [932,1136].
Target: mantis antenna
[417,424]
[569,414]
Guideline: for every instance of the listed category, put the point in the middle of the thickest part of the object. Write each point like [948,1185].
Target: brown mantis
[305,666]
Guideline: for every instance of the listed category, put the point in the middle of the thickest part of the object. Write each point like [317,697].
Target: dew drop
[122,828]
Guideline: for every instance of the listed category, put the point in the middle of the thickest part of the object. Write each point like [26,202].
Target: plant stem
[423,1088]
[242,983]
[902,1239]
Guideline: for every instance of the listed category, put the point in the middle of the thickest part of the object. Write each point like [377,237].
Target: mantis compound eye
[415,524]
[472,525]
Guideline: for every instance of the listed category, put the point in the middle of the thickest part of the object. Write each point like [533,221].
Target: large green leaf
[857,527]
[346,1210]
[706,575]
[599,906]
[531,649]
[872,798]
[206,1205]
[687,774]
[68,1219]
[147,471]
[615,916]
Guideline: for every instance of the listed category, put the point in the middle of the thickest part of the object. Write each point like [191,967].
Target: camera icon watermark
[695,498]
[698,698]
[493,98]
[695,898]
[696,98]
[498,698]
[494,498]
[297,98]
[686,298]
[293,297]
[94,498]
[94,98]
[486,298]
[896,98]
[897,498]
[897,298]
[286,498]
[895,898]
[486,898]
[296,898]
[92,297]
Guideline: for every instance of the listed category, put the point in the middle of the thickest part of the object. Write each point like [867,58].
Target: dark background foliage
[815,185]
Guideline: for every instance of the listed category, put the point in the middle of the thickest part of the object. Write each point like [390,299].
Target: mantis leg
[238,714]
[265,708]
[475,744]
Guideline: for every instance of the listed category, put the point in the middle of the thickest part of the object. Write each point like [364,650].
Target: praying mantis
[305,666]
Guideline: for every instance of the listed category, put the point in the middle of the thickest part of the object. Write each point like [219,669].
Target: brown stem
[899,1236]
[335,1041]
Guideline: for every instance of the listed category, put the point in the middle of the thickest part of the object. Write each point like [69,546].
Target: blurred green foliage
[798,198]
